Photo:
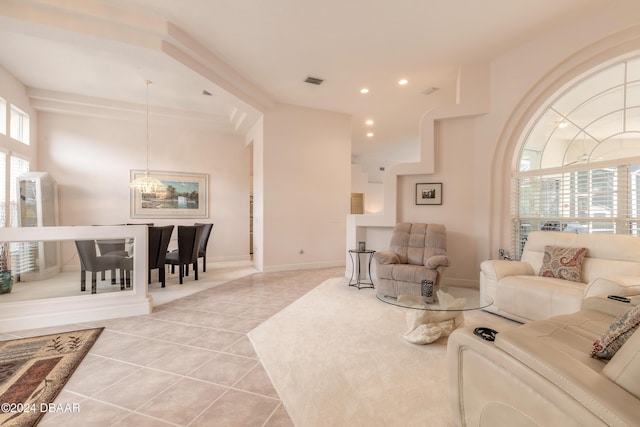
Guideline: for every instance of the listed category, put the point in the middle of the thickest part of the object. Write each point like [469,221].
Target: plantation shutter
[581,200]
[3,189]
[23,254]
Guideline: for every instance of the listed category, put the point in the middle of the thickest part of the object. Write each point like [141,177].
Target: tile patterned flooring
[189,363]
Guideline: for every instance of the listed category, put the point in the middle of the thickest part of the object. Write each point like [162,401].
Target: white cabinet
[37,207]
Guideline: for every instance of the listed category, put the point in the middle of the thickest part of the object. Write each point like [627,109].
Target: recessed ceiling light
[403,82]
[563,124]
[364,90]
[370,134]
[369,122]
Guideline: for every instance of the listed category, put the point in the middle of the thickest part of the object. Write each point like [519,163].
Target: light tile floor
[189,363]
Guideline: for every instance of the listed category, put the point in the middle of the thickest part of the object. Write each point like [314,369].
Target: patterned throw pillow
[563,263]
[619,331]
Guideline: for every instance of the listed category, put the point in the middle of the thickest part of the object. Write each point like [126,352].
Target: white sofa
[611,266]
[542,373]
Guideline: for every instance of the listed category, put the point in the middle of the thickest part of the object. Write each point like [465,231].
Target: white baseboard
[303,266]
[461,283]
[228,258]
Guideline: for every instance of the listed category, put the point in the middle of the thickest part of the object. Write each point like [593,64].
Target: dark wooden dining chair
[187,253]
[159,238]
[204,240]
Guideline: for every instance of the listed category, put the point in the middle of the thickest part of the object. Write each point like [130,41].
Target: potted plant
[6,280]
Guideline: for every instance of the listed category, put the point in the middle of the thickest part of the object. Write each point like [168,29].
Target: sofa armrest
[495,270]
[490,387]
[613,285]
[608,306]
[611,402]
[386,257]
[437,261]
[624,367]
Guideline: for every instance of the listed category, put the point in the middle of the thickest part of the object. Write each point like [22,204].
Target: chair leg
[93,282]
[204,263]
[161,276]
[180,267]
[113,277]
[122,279]
[173,268]
[83,280]
[195,270]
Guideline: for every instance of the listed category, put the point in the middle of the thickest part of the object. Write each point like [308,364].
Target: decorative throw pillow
[563,263]
[617,334]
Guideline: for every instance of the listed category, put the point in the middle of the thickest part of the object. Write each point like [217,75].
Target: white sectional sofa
[542,373]
[519,292]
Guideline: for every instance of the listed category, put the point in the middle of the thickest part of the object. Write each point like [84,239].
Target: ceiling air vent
[314,80]
[430,90]
[206,92]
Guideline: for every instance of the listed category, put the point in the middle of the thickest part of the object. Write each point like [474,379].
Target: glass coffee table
[426,322]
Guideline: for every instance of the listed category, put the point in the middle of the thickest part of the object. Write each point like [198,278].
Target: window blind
[23,254]
[19,123]
[3,116]
[3,189]
[581,200]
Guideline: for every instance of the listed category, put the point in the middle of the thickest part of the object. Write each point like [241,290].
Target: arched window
[579,167]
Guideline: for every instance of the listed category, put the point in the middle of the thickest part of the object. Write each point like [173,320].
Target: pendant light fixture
[146,183]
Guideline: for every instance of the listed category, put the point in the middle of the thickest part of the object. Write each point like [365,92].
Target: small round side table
[356,263]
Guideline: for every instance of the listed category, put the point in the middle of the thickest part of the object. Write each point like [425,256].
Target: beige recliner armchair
[417,252]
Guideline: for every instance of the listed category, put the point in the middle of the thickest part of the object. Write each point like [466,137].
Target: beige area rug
[337,358]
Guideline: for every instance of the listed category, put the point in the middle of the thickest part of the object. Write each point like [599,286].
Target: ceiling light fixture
[147,184]
[370,134]
[563,124]
[364,90]
[403,82]
[369,122]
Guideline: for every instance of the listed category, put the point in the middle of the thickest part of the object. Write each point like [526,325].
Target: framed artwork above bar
[184,196]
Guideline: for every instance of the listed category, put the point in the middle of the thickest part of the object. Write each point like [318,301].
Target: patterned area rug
[34,370]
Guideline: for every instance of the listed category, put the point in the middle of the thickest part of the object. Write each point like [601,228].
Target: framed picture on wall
[184,196]
[429,193]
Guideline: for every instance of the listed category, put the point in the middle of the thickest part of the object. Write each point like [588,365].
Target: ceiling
[250,54]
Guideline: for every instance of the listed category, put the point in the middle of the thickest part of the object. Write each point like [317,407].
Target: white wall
[522,80]
[454,168]
[307,175]
[358,179]
[374,198]
[474,155]
[91,159]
